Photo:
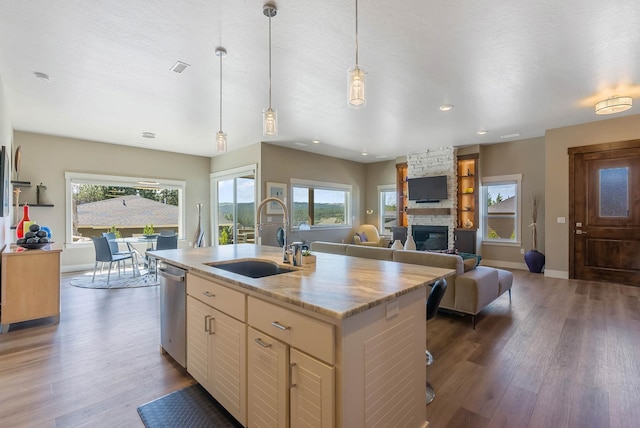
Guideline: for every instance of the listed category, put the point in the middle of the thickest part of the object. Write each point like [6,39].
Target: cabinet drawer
[305,333]
[217,295]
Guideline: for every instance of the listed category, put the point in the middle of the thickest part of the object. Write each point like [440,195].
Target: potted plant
[534,258]
[308,258]
[148,230]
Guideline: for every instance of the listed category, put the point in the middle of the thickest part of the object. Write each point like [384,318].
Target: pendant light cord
[356,33]
[269,61]
[221,92]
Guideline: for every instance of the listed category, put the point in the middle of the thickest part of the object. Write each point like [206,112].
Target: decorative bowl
[34,246]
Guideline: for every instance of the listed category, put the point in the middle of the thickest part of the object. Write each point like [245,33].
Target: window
[124,205]
[320,205]
[234,201]
[388,197]
[501,209]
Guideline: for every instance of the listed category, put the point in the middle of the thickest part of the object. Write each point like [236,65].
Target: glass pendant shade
[270,122]
[221,142]
[356,88]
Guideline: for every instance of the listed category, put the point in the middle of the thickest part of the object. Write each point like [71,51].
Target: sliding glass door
[234,199]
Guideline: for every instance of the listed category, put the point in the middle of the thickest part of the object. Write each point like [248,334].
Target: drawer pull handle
[206,293]
[291,366]
[206,323]
[262,343]
[212,326]
[276,324]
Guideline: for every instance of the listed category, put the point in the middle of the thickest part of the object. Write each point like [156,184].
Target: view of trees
[491,201]
[321,212]
[83,193]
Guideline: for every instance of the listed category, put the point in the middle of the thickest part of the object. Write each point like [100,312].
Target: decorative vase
[397,245]
[198,240]
[534,260]
[26,221]
[410,244]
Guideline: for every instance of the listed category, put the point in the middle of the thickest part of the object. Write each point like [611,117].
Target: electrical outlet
[521,250]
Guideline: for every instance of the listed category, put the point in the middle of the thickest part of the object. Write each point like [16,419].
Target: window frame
[496,180]
[121,181]
[385,188]
[322,185]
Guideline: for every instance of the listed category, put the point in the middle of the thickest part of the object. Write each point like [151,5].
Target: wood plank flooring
[562,354]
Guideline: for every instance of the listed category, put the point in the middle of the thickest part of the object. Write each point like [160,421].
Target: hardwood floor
[93,369]
[562,354]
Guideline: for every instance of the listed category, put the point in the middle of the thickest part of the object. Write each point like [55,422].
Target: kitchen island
[339,343]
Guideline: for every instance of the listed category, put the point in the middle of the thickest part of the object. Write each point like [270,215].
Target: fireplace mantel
[428,211]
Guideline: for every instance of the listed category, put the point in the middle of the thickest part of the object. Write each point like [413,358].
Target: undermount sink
[252,268]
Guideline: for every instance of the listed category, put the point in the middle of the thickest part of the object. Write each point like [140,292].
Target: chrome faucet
[285,222]
[296,253]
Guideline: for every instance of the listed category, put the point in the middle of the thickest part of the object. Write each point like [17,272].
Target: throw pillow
[470,263]
[362,236]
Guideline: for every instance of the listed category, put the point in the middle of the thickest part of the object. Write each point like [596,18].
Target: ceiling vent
[179,66]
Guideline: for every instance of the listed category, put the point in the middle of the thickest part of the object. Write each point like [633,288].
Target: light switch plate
[562,220]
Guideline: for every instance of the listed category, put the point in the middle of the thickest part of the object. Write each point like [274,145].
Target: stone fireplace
[440,215]
[430,237]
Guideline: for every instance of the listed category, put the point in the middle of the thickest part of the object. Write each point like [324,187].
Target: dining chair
[163,243]
[113,245]
[104,254]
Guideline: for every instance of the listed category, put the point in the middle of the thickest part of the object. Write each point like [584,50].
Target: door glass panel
[614,192]
[246,210]
[226,211]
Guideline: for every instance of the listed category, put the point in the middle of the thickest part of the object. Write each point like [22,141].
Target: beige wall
[377,174]
[46,158]
[557,141]
[281,164]
[524,157]
[241,157]
[6,134]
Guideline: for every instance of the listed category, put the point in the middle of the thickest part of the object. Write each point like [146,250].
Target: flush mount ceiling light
[614,104]
[356,77]
[446,107]
[179,67]
[148,135]
[221,137]
[269,115]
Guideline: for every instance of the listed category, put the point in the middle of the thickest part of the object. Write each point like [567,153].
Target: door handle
[580,232]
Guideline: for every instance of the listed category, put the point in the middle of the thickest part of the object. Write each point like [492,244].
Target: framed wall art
[276,190]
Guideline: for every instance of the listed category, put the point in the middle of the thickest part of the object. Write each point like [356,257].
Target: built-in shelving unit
[403,194]
[468,203]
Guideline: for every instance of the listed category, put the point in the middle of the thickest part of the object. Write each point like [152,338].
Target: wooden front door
[604,212]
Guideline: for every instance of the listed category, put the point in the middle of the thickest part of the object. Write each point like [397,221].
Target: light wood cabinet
[30,286]
[302,383]
[216,345]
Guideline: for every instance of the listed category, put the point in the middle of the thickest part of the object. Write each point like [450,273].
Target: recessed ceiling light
[148,135]
[315,141]
[179,66]
[446,107]
[364,153]
[301,144]
[515,134]
[42,76]
[482,132]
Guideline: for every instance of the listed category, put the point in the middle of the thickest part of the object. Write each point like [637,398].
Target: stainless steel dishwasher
[173,309]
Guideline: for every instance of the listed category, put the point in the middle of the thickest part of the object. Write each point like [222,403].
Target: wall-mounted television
[428,189]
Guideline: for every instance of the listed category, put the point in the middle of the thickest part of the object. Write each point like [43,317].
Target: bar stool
[433,302]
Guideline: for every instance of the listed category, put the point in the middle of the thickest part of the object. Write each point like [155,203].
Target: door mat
[190,407]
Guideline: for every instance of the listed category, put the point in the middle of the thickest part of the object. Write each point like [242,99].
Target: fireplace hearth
[430,237]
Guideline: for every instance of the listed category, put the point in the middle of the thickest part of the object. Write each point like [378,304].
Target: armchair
[370,233]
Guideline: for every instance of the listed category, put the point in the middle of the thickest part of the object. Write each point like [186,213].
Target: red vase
[25,217]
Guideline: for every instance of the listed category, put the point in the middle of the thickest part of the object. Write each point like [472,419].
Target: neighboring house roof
[507,206]
[127,211]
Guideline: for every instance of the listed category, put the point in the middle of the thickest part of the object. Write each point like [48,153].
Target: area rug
[190,407]
[125,280]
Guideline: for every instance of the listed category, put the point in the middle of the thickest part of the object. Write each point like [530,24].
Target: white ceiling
[508,66]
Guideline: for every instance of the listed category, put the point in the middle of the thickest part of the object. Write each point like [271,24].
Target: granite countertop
[336,286]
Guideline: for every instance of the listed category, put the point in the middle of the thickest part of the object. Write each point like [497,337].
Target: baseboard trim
[76,268]
[562,274]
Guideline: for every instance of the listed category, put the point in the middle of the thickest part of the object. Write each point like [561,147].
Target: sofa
[471,289]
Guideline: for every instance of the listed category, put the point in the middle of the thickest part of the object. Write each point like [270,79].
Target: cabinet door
[198,321]
[227,363]
[312,392]
[268,381]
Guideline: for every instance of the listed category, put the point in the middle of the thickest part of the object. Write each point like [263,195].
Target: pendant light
[270,118]
[356,79]
[221,137]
